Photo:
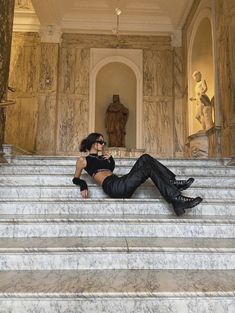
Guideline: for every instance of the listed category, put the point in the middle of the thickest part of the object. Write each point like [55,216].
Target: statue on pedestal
[115,121]
[204,104]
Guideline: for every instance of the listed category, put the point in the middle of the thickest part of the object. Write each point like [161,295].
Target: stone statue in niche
[115,121]
[204,104]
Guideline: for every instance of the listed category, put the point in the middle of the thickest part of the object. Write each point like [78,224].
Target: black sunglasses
[101,142]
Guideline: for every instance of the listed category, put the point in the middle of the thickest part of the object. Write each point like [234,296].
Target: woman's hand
[106,156]
[84,193]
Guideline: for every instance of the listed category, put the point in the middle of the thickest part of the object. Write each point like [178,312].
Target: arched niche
[132,58]
[116,78]
[200,58]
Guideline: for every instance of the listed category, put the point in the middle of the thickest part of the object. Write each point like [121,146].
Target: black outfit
[96,163]
[144,168]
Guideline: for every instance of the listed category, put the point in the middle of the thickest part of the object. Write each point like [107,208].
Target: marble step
[116,253]
[66,180]
[109,206]
[112,291]
[117,226]
[71,160]
[187,170]
[147,191]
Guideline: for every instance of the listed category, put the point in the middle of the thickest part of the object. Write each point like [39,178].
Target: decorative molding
[202,12]
[154,18]
[25,17]
[50,33]
[176,38]
[132,58]
[26,21]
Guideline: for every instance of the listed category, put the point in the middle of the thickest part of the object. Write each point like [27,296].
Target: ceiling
[98,16]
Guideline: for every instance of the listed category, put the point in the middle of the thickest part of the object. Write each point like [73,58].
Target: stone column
[6,22]
[47,98]
[225,35]
[179,110]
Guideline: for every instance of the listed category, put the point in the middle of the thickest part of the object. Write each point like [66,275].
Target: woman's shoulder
[81,162]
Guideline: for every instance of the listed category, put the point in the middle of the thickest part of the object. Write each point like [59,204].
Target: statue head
[197,76]
[116,98]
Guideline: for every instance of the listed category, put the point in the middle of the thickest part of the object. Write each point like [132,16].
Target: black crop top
[96,163]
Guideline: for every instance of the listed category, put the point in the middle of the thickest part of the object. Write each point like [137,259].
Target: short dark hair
[87,142]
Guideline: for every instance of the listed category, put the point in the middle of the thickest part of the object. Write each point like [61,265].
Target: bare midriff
[100,176]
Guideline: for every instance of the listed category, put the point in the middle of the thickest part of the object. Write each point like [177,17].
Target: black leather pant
[144,168]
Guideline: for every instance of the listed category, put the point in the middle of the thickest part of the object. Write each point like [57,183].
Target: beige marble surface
[125,244]
[114,283]
[59,113]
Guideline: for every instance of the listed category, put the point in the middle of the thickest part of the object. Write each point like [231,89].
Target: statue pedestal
[120,152]
[198,145]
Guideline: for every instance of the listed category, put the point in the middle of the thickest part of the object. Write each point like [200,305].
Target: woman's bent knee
[145,156]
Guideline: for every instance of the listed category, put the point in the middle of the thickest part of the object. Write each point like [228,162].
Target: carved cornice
[123,41]
[26,22]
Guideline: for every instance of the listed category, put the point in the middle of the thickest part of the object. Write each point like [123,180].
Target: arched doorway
[200,58]
[119,79]
[132,59]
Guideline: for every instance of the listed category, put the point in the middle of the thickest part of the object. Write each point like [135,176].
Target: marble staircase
[63,254]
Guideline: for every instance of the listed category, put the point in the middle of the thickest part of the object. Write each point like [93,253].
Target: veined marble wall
[222,136]
[225,38]
[47,98]
[6,22]
[73,93]
[51,115]
[179,104]
[22,117]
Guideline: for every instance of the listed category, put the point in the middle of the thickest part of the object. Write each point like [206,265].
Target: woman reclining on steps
[100,168]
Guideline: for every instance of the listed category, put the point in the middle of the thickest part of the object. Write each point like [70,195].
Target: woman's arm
[80,165]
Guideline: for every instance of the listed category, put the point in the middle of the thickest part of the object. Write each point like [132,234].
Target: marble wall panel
[214,137]
[179,105]
[158,101]
[123,42]
[24,66]
[232,140]
[82,63]
[224,34]
[179,127]
[21,118]
[72,122]
[158,78]
[47,99]
[67,70]
[28,70]
[225,141]
[74,70]
[158,119]
[21,123]
[73,98]
[49,53]
[46,129]
[6,21]
[62,109]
